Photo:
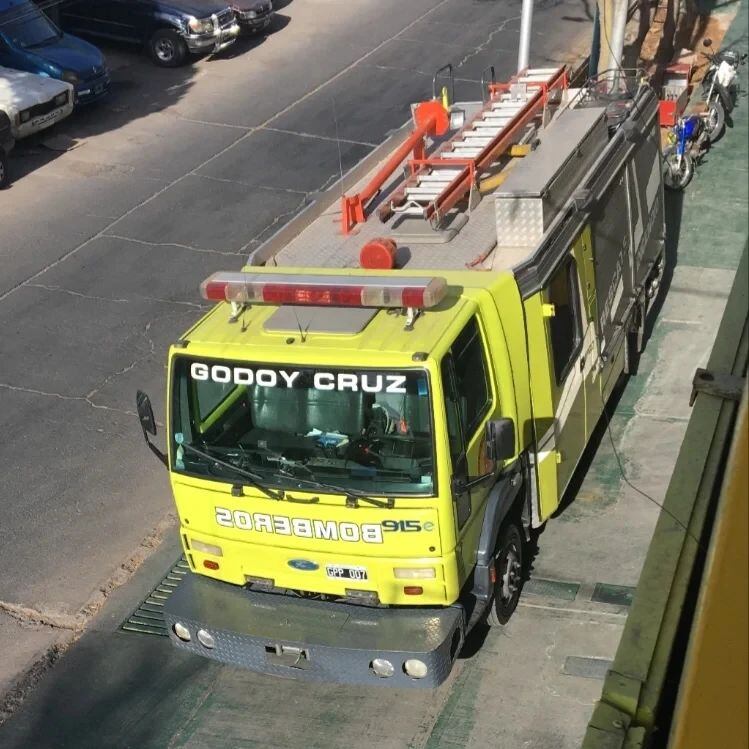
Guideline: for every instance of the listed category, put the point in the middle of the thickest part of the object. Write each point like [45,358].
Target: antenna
[338,143]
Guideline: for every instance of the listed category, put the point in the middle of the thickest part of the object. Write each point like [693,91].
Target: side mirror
[148,423]
[145,413]
[500,439]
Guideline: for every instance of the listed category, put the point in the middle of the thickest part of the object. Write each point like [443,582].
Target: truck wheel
[167,48]
[3,169]
[509,570]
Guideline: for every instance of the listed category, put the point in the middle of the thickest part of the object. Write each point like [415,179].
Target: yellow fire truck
[397,388]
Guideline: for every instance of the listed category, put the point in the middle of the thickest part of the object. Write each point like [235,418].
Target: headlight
[181,631]
[206,639]
[382,667]
[206,548]
[415,668]
[414,573]
[200,25]
[252,14]
[24,116]
[70,76]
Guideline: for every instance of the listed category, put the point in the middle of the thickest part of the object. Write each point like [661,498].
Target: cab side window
[471,380]
[452,411]
[565,325]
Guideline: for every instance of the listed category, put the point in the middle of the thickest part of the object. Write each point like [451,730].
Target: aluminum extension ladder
[438,182]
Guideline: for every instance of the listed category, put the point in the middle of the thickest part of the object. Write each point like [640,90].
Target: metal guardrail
[640,688]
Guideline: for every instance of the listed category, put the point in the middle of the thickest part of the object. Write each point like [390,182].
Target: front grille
[48,106]
[97,75]
[260,13]
[225,18]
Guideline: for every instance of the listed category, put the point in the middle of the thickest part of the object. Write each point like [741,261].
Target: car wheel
[167,48]
[4,181]
[509,575]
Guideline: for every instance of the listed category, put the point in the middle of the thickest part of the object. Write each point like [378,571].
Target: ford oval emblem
[303,564]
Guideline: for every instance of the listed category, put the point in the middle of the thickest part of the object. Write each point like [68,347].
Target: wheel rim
[712,119]
[164,49]
[509,573]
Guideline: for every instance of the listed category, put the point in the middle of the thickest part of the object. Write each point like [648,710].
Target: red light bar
[334,291]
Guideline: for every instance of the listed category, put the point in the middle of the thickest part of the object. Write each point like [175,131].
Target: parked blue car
[30,41]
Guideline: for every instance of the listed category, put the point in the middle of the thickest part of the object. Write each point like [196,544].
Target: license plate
[44,119]
[346,572]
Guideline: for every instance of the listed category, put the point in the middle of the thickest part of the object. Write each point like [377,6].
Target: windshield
[28,27]
[362,430]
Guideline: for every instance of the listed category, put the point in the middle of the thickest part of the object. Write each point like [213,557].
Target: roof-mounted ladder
[437,183]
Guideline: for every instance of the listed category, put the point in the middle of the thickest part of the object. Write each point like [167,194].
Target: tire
[4,180]
[715,122]
[676,178]
[509,574]
[167,48]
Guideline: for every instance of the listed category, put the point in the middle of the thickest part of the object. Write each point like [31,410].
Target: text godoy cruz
[271,378]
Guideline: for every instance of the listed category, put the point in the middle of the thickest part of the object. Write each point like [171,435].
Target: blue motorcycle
[687,141]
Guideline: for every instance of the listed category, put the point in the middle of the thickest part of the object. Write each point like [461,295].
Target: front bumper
[92,89]
[256,23]
[314,640]
[214,42]
[42,122]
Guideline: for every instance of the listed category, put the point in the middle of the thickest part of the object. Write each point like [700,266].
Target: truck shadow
[112,690]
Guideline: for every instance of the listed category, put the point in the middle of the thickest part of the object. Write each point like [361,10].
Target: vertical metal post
[526,19]
[617,39]
[605,16]
[595,45]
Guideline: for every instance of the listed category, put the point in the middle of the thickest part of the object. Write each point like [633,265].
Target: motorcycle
[720,88]
[688,139]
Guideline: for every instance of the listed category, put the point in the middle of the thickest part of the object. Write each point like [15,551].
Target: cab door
[127,19]
[468,405]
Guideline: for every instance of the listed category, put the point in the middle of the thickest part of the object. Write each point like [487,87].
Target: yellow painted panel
[711,710]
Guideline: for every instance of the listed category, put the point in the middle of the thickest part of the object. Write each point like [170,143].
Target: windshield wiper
[352,497]
[283,462]
[255,480]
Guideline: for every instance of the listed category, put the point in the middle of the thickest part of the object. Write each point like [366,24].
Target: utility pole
[526,19]
[613,23]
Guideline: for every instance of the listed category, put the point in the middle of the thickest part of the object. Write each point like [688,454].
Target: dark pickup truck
[169,29]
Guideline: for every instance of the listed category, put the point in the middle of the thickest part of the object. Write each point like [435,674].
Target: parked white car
[33,102]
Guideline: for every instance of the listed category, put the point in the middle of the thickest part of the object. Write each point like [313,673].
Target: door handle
[582,362]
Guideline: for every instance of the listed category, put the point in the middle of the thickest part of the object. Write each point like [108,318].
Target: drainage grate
[588,668]
[618,595]
[538,586]
[148,618]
